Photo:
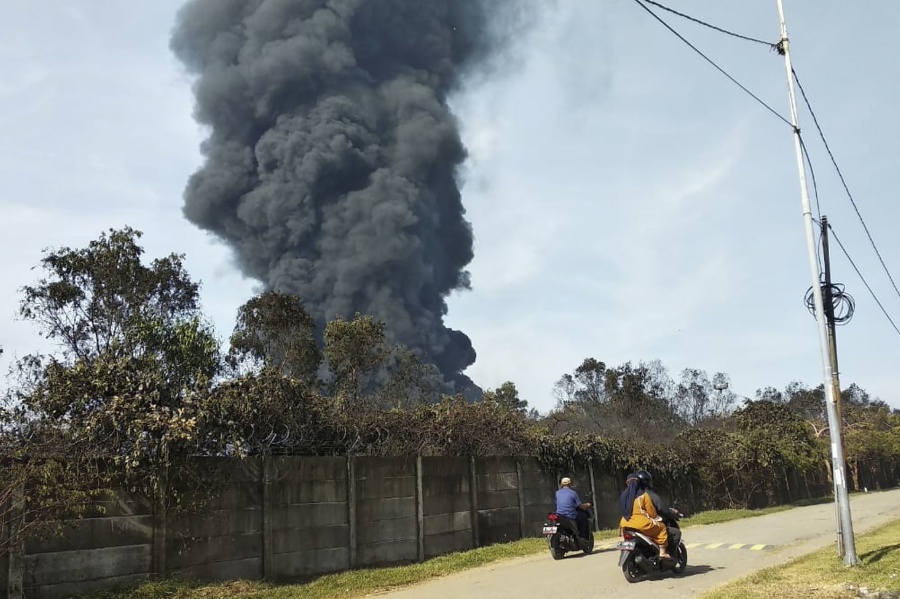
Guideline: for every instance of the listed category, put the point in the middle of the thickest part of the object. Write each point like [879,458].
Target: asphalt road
[716,554]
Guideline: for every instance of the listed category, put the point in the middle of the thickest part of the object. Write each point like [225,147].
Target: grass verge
[344,585]
[823,575]
[358,583]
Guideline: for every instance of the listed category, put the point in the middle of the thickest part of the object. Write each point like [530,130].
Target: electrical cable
[843,181]
[710,61]
[705,24]
[853,264]
[842,303]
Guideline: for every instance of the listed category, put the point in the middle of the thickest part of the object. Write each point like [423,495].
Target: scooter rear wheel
[631,570]
[556,551]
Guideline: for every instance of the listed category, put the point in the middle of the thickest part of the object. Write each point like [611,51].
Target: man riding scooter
[569,505]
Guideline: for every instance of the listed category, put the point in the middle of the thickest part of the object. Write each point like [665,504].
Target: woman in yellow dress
[639,506]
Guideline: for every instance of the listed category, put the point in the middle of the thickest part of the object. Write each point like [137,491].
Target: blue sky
[628,202]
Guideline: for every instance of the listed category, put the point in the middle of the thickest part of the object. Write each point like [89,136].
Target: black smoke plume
[331,162]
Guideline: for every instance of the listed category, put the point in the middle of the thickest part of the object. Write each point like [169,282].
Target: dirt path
[716,554]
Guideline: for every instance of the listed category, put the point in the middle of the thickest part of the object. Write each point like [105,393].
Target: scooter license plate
[549,529]
[625,545]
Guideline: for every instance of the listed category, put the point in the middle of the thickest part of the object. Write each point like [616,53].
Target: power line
[843,181]
[710,61]
[705,24]
[853,264]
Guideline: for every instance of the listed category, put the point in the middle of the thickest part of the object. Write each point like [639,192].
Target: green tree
[409,381]
[507,397]
[591,379]
[809,404]
[616,402]
[771,442]
[136,358]
[100,299]
[273,330]
[356,351]
[698,399]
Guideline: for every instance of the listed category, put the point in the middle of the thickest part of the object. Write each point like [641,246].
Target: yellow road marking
[744,546]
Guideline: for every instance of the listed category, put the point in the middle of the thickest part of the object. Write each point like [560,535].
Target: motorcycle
[639,555]
[562,535]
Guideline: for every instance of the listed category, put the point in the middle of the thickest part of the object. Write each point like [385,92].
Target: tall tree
[273,330]
[356,351]
[693,396]
[506,396]
[135,364]
[409,381]
[100,299]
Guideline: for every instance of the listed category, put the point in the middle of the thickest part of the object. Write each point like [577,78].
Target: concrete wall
[447,505]
[222,538]
[386,520]
[498,500]
[111,546]
[309,516]
[290,517]
[538,495]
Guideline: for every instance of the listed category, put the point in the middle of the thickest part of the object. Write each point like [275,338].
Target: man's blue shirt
[567,502]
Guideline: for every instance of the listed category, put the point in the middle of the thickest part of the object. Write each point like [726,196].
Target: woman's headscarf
[634,487]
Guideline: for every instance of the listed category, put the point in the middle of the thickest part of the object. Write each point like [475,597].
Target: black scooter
[640,555]
[562,535]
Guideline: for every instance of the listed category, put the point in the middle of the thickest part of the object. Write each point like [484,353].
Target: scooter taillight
[552,517]
[627,536]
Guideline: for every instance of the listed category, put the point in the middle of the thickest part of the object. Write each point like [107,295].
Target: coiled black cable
[842,302]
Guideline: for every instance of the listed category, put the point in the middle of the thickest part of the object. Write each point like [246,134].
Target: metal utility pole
[828,301]
[845,529]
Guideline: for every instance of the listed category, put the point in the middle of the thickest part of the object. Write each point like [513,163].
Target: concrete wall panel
[310,539]
[247,569]
[309,515]
[385,509]
[449,542]
[390,552]
[85,565]
[443,523]
[309,563]
[285,492]
[191,551]
[381,531]
[69,589]
[386,487]
[498,499]
[437,486]
[445,504]
[90,533]
[285,468]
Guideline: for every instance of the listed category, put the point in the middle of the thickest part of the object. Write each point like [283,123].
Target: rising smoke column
[331,161]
